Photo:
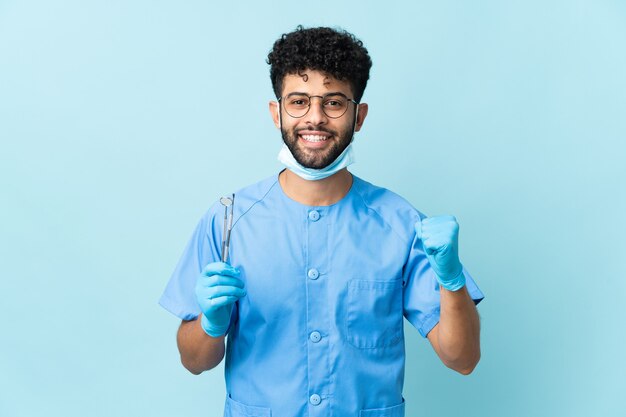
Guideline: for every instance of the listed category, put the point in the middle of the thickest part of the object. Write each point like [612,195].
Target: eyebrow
[332,93]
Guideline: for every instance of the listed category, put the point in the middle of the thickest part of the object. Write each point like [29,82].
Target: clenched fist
[440,238]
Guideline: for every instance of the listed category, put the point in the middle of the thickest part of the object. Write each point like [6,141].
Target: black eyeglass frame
[322,99]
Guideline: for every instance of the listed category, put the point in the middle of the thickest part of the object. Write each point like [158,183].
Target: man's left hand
[440,238]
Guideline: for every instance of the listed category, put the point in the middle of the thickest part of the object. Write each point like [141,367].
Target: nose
[316,115]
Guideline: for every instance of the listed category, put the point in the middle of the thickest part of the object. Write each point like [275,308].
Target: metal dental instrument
[228,224]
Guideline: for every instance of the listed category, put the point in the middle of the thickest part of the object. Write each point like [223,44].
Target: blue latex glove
[217,289]
[440,237]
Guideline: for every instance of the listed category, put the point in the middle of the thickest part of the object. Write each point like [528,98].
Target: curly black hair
[335,52]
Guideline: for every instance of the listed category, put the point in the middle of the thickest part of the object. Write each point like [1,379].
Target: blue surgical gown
[320,331]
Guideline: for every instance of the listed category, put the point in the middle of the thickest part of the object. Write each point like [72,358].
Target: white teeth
[314,138]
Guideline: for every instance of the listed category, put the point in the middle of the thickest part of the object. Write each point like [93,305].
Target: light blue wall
[121,121]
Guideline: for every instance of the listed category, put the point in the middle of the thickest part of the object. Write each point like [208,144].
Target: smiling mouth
[315,138]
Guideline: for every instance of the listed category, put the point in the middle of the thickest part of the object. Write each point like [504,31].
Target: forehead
[314,82]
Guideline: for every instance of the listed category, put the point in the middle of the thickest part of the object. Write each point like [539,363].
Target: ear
[275,113]
[360,118]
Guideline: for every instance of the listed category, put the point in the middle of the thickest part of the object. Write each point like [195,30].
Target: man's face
[316,140]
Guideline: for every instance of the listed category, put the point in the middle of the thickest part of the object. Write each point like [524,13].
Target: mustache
[317,128]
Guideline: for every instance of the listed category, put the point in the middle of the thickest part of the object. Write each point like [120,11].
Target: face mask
[346,158]
[286,158]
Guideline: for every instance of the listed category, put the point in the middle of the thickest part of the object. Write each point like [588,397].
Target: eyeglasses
[334,105]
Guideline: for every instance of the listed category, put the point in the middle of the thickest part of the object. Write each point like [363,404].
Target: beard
[317,158]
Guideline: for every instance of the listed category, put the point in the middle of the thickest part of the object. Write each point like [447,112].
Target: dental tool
[227,202]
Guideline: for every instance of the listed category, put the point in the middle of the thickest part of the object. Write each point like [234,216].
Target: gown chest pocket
[374,313]
[236,409]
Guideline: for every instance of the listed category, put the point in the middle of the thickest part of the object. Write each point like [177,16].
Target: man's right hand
[217,289]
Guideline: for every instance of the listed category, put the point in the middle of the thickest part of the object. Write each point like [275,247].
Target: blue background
[122,121]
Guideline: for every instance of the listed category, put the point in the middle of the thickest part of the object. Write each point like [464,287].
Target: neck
[323,192]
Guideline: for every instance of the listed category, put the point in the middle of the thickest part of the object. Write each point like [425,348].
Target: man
[323,265]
